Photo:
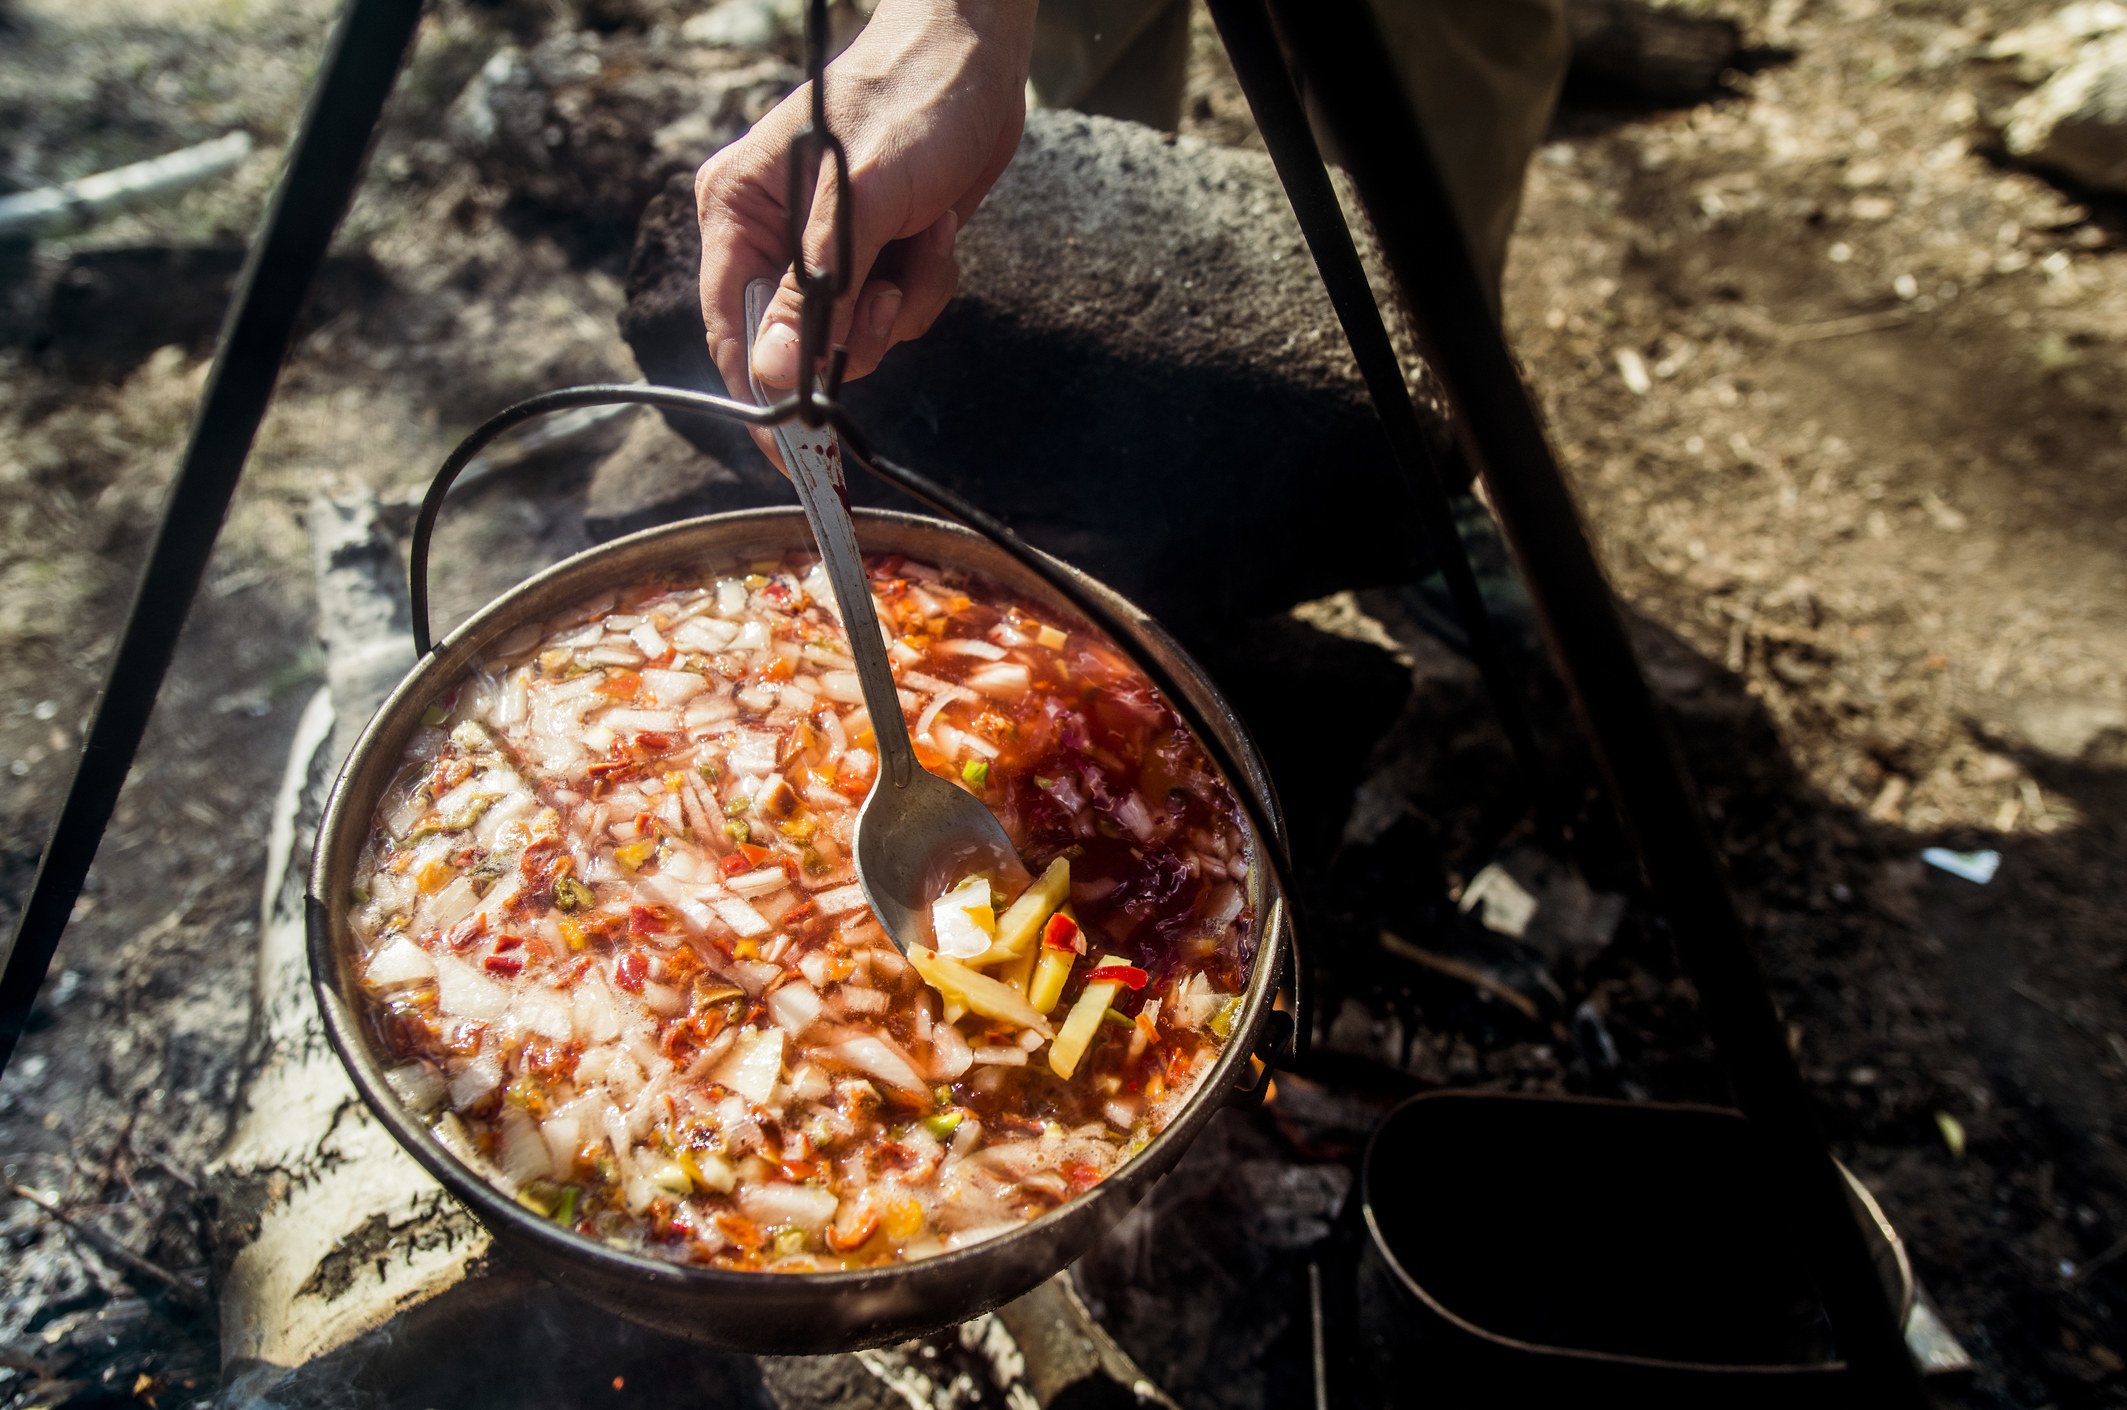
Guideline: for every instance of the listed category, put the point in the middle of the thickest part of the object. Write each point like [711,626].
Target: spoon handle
[814,458]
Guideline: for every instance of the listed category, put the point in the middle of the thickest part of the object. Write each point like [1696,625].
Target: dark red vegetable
[1127,975]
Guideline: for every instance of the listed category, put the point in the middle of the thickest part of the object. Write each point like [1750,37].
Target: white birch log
[82,201]
[329,1229]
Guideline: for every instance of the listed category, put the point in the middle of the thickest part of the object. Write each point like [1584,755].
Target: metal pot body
[1527,1250]
[762,1312]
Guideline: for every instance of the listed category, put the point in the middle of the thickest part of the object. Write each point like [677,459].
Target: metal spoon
[917,834]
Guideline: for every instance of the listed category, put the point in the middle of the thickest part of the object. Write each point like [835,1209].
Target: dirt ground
[1839,389]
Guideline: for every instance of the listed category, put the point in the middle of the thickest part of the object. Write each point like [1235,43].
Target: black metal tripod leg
[1275,103]
[1339,51]
[362,62]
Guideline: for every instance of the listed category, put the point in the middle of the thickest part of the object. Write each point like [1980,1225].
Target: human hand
[928,103]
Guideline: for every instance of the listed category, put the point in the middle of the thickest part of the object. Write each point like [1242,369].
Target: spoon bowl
[917,834]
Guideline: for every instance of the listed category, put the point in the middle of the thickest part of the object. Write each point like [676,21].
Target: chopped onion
[591,1011]
[521,1152]
[804,1206]
[671,689]
[538,1009]
[755,1064]
[479,1076]
[951,1056]
[418,1086]
[858,999]
[398,963]
[872,1054]
[760,882]
[839,899]
[794,1007]
[969,646]
[464,992]
[841,687]
[1007,680]
[742,918]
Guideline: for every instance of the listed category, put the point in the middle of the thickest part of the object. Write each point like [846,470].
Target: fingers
[739,202]
[775,359]
[929,275]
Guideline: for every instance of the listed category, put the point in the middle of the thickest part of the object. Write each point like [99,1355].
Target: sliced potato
[989,997]
[1084,1022]
[1050,972]
[1046,984]
[1020,925]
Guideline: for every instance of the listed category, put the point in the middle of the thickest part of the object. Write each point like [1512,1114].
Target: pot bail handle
[567,399]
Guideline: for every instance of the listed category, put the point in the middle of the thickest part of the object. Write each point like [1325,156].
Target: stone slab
[1140,372]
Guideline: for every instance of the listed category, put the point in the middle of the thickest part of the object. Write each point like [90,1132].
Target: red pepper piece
[754,854]
[1062,933]
[465,932]
[1127,975]
[506,965]
[651,742]
[648,920]
[735,864]
[630,970]
[507,942]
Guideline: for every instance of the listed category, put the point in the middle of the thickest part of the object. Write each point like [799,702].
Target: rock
[591,125]
[2038,51]
[656,477]
[1140,372]
[2067,729]
[2076,122]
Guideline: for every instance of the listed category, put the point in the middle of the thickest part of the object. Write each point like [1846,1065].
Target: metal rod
[1342,57]
[361,63]
[1275,104]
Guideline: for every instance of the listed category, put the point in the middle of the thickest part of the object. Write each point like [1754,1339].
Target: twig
[1830,328]
[2094,1266]
[181,1290]
[2057,1009]
[1455,969]
[174,1173]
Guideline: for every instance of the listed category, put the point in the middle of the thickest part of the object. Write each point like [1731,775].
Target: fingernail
[775,356]
[885,306]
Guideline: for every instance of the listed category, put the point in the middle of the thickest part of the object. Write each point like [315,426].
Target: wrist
[1008,25]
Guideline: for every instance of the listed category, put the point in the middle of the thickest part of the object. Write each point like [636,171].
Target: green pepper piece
[976,772]
[1118,1018]
[565,1208]
[572,895]
[944,1123]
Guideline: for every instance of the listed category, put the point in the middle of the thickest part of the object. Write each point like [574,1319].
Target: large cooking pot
[772,1312]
